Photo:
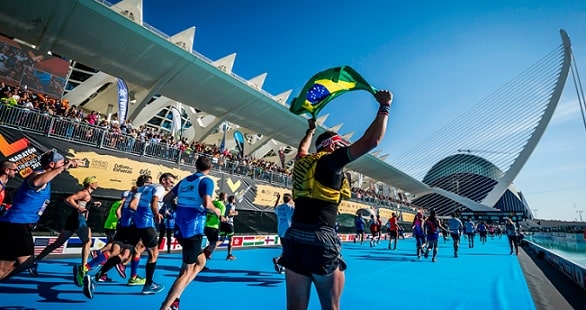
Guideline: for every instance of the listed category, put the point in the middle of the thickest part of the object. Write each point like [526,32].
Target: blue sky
[437,57]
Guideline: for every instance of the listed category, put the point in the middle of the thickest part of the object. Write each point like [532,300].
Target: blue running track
[485,276]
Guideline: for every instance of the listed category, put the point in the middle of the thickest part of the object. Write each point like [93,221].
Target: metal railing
[62,128]
[67,129]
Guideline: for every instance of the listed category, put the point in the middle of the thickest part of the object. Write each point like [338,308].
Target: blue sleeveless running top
[190,217]
[143,217]
[28,204]
[126,214]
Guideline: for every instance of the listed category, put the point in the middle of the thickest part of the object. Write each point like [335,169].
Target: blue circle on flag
[317,93]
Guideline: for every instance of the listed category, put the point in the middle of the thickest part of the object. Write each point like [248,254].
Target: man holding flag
[311,248]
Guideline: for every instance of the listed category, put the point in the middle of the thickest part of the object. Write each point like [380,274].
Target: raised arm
[42,179]
[305,143]
[376,131]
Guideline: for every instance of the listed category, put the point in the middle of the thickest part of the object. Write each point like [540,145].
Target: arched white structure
[82,29]
[539,129]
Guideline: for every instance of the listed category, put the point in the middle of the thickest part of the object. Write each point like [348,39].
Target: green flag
[325,86]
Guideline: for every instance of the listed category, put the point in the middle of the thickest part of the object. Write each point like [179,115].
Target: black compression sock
[150,271]
[110,263]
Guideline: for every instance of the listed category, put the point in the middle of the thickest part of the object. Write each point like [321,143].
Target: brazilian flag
[325,86]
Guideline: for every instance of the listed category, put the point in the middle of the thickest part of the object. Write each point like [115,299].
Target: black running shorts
[191,248]
[309,249]
[16,240]
[212,234]
[148,236]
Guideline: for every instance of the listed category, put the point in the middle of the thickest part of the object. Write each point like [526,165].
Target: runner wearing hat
[30,201]
[76,223]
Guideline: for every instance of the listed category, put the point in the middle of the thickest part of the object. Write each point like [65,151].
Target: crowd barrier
[67,129]
[73,245]
[574,271]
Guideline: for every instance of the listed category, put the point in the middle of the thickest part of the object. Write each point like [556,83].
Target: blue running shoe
[89,286]
[153,288]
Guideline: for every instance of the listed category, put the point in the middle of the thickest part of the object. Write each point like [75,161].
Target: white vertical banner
[122,100]
[176,125]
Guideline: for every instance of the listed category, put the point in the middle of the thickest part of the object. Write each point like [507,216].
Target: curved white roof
[97,36]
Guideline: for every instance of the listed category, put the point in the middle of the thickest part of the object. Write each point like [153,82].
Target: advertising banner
[73,245]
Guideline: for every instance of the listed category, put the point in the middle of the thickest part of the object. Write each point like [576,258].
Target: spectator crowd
[92,127]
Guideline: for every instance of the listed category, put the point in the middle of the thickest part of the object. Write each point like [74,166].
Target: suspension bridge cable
[579,89]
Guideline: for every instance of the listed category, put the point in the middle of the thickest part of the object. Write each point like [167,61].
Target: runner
[483,232]
[432,228]
[284,213]
[212,228]
[192,198]
[456,228]
[419,232]
[227,227]
[122,248]
[359,225]
[76,223]
[311,247]
[8,171]
[30,201]
[167,226]
[470,230]
[393,226]
[147,201]
[374,231]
